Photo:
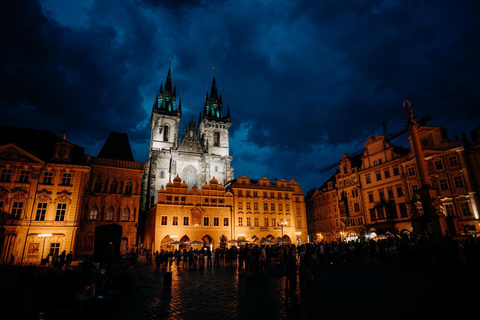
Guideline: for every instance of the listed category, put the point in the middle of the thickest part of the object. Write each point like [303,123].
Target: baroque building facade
[42,183]
[245,209]
[389,185]
[197,154]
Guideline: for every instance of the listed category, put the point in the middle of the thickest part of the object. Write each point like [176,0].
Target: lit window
[256,221]
[93,214]
[126,214]
[110,214]
[225,222]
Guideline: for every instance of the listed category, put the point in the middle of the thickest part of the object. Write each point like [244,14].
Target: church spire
[214,93]
[168,83]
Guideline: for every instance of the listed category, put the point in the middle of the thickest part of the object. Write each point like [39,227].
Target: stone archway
[165,240]
[185,238]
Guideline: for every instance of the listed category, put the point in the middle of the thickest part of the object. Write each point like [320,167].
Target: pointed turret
[168,83]
[214,93]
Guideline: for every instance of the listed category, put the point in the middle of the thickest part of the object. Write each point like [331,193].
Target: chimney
[63,135]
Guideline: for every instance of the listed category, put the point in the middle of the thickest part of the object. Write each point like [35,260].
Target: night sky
[306,81]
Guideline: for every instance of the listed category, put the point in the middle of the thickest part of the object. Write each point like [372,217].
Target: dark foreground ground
[361,292]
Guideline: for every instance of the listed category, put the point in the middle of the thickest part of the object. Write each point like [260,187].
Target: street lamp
[44,236]
[282,224]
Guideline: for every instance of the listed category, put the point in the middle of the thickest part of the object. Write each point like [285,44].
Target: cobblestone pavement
[338,293]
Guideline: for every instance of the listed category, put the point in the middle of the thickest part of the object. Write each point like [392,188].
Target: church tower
[164,122]
[214,128]
[196,155]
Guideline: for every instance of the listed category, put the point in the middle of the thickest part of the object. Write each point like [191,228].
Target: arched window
[113,187]
[110,212]
[128,188]
[126,214]
[165,133]
[216,139]
[98,186]
[93,213]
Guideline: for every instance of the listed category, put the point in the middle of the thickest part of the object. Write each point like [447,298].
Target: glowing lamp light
[173,237]
[241,234]
[298,233]
[44,235]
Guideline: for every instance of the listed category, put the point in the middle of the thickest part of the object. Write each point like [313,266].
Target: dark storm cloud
[306,80]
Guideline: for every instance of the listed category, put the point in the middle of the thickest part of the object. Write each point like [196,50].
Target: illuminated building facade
[197,154]
[269,210]
[244,209]
[190,215]
[449,177]
[113,194]
[385,197]
[323,204]
[389,184]
[352,217]
[42,183]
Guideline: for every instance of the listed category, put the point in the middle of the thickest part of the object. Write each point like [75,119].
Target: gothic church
[197,154]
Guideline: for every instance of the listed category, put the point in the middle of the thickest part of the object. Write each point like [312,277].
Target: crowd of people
[413,251]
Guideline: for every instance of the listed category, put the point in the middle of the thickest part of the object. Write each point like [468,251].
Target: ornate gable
[190,143]
[11,152]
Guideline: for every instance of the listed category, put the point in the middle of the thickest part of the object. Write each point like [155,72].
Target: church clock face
[62,152]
